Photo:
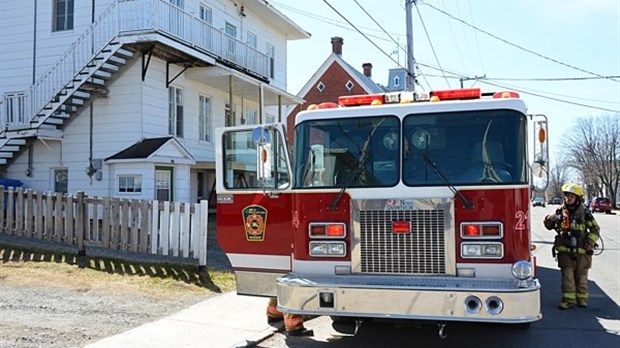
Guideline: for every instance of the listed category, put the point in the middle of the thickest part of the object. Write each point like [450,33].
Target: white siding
[133,109]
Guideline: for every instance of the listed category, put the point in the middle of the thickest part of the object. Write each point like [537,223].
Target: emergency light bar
[409,97]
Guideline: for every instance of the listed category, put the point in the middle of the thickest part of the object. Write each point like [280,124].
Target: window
[175,111]
[396,81]
[251,116]
[204,118]
[63,15]
[271,53]
[177,3]
[163,183]
[270,118]
[349,85]
[320,87]
[231,31]
[129,183]
[61,180]
[241,163]
[251,40]
[206,14]
[15,109]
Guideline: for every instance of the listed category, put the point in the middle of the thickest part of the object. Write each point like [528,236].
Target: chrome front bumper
[425,298]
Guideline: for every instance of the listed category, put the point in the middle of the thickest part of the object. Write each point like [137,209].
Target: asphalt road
[596,326]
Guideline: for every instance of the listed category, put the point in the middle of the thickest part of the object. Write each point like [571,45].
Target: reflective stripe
[569,296]
[581,296]
[565,249]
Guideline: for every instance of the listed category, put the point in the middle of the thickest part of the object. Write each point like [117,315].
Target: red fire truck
[392,206]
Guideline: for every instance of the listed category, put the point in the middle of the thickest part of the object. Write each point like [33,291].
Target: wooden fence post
[2,208]
[79,229]
[203,229]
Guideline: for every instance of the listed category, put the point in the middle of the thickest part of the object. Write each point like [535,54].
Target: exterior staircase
[99,54]
[64,91]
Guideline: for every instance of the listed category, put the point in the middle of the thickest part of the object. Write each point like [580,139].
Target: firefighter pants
[574,269]
[292,322]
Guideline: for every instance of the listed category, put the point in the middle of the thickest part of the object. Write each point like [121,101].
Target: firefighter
[574,245]
[293,323]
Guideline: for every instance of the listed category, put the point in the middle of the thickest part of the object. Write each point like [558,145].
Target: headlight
[328,249]
[522,270]
[488,250]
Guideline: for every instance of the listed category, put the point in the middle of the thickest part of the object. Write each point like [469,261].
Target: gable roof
[153,149]
[364,81]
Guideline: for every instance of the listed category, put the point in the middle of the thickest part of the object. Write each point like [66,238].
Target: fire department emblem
[254,222]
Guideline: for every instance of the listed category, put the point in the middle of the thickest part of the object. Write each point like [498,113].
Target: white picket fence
[134,225]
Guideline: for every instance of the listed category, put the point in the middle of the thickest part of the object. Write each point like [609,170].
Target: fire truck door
[254,229]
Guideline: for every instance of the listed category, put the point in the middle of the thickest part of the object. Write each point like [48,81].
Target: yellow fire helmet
[573,188]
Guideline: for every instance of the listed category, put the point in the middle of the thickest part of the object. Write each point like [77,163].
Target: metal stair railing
[82,52]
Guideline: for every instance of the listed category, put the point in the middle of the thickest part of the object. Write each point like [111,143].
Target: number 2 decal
[521,217]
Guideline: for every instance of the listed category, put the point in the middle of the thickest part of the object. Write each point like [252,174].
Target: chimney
[337,43]
[367,69]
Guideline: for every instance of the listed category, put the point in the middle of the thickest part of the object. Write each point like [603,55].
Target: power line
[459,75]
[515,45]
[429,40]
[364,35]
[551,98]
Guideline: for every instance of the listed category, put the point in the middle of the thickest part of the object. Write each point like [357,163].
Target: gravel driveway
[37,312]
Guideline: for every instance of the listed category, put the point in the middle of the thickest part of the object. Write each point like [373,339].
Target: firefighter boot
[566,305]
[273,314]
[582,303]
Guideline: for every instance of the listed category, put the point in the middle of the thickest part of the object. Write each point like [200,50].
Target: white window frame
[205,107]
[270,51]
[206,13]
[129,184]
[15,109]
[175,111]
[177,3]
[251,116]
[67,17]
[251,39]
[396,81]
[269,118]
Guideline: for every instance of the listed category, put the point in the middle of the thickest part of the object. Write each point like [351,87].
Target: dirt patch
[47,300]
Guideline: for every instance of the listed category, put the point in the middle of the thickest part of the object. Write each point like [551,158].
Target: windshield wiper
[466,203]
[360,166]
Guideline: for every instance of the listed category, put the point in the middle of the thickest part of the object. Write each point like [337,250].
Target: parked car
[538,201]
[602,204]
[557,200]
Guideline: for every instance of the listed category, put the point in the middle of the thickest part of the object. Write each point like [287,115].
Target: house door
[163,183]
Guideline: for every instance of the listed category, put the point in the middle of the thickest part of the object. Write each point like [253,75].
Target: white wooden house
[121,97]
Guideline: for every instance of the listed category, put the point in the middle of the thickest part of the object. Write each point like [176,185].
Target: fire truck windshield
[466,148]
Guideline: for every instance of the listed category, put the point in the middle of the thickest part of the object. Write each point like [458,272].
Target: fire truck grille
[421,251]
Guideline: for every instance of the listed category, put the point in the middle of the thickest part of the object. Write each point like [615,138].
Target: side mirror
[540,166]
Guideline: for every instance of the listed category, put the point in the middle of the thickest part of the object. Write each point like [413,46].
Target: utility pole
[472,78]
[410,58]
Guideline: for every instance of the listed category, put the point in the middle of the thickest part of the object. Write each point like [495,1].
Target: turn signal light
[327,230]
[482,230]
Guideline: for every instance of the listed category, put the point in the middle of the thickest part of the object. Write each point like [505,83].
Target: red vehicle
[601,204]
[387,209]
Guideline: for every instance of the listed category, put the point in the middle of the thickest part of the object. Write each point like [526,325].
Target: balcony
[137,17]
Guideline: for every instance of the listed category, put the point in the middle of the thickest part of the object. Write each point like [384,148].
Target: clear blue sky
[564,38]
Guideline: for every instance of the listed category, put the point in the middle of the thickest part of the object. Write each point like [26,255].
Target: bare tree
[592,149]
[558,175]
